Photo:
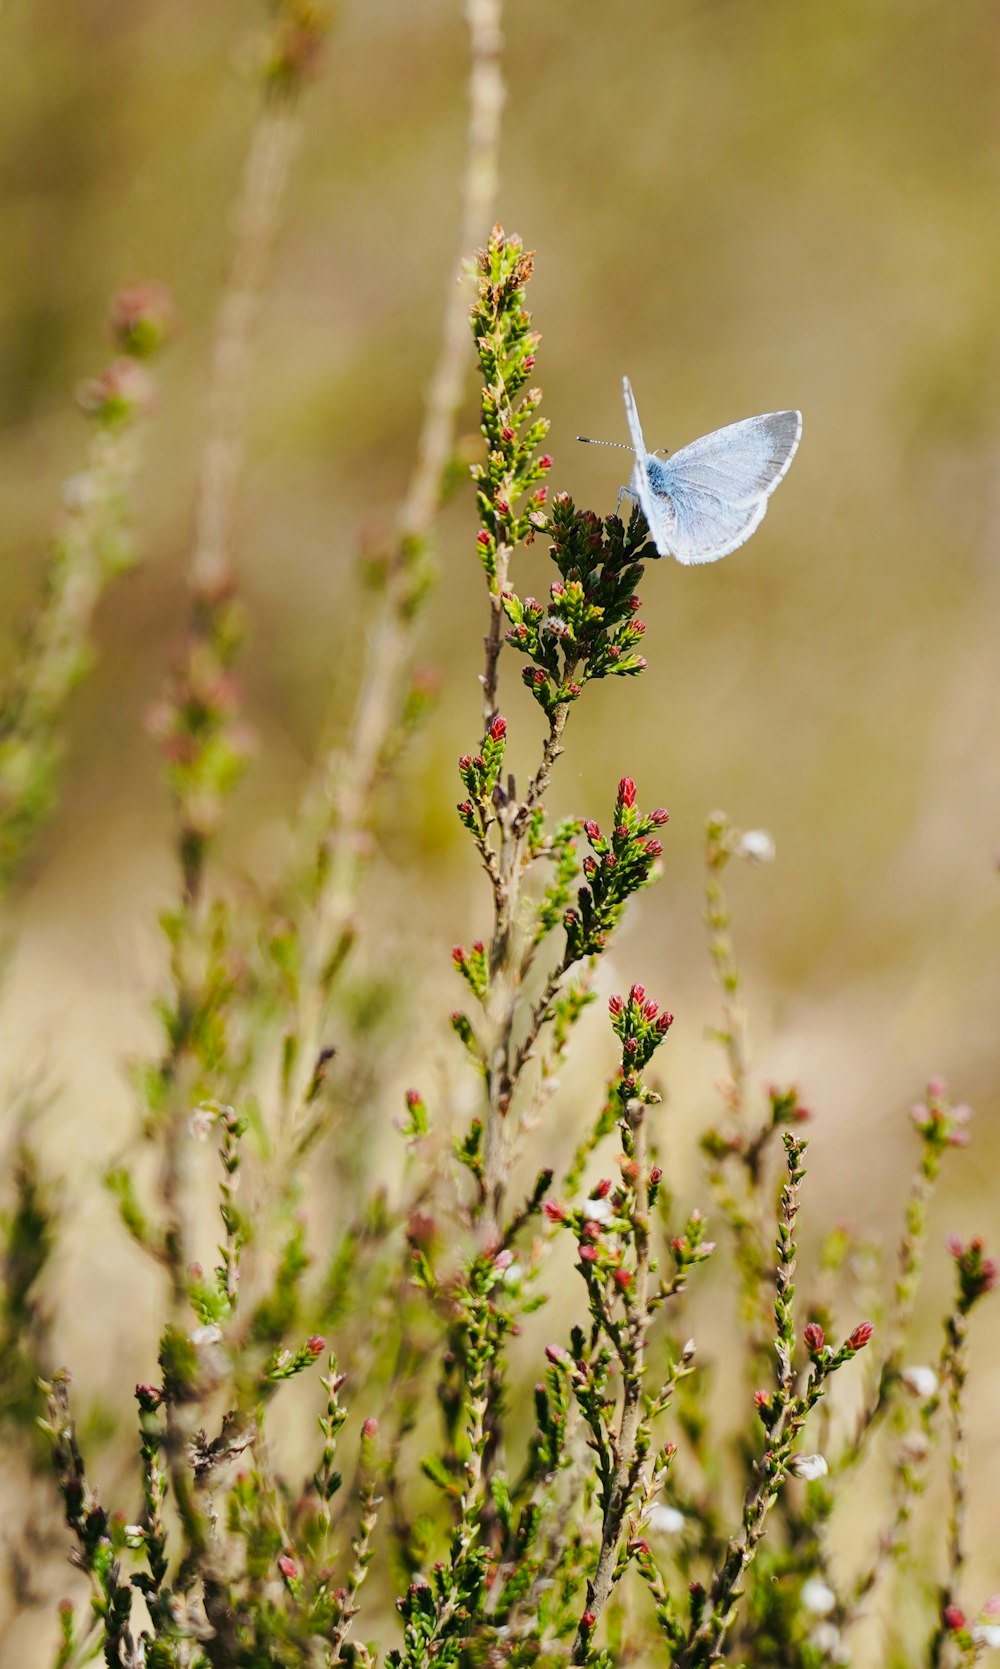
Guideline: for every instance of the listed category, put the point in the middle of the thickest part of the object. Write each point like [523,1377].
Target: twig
[348,778]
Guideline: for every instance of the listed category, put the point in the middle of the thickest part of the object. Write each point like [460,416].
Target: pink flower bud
[288,1568]
[591,829]
[507,433]
[316,1345]
[615,1005]
[588,1620]
[528,362]
[545,462]
[653,847]
[370,1428]
[498,729]
[502,507]
[504,1259]
[588,1254]
[465,761]
[603,1188]
[477,946]
[555,1212]
[862,1333]
[814,1337]
[650,1010]
[623,1279]
[413,1098]
[664,1023]
[638,994]
[626,792]
[457,955]
[483,538]
[659,816]
[656,1174]
[953,1617]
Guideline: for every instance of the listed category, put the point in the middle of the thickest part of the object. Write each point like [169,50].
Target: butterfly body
[704,501]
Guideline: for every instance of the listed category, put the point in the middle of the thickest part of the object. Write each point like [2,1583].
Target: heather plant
[456,1478]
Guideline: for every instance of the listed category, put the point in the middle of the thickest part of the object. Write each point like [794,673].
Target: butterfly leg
[624,492]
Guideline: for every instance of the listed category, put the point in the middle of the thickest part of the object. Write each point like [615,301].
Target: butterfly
[705,500]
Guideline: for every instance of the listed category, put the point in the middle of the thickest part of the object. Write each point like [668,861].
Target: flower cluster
[622,862]
[589,627]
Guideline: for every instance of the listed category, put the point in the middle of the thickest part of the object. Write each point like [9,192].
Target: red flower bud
[591,829]
[316,1345]
[556,1354]
[623,1279]
[638,994]
[814,1337]
[656,1174]
[588,1254]
[588,1620]
[498,729]
[626,792]
[615,1005]
[555,1212]
[545,462]
[457,955]
[483,538]
[370,1428]
[659,816]
[664,1023]
[288,1568]
[953,1617]
[506,433]
[603,1188]
[862,1333]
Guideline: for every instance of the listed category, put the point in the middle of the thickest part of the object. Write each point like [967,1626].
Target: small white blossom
[920,1381]
[826,1638]
[134,1534]
[756,845]
[598,1210]
[809,1467]
[986,1634]
[665,1520]
[818,1596]
[209,1334]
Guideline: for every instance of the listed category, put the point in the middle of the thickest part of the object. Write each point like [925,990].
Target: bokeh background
[744,207]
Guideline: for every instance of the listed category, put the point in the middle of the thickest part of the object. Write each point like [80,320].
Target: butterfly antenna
[590,441]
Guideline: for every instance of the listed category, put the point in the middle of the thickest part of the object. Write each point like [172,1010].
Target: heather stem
[632,1355]
[350,777]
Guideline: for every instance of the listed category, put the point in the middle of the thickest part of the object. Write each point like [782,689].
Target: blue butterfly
[707,499]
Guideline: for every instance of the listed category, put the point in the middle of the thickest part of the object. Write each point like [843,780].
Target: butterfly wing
[707,499]
[719,485]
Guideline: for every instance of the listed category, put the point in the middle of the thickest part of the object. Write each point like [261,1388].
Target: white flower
[201,1121]
[134,1534]
[598,1210]
[664,1520]
[809,1467]
[818,1596]
[209,1334]
[756,845]
[920,1381]
[986,1634]
[826,1638]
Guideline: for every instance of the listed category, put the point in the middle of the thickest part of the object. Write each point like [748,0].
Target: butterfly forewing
[740,461]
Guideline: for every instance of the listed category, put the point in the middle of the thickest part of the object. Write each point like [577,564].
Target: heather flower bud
[659,817]
[615,1006]
[626,792]
[498,729]
[555,1212]
[861,1335]
[814,1337]
[370,1428]
[316,1345]
[288,1568]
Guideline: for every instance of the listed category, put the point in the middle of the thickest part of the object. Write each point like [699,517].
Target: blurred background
[743,208]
